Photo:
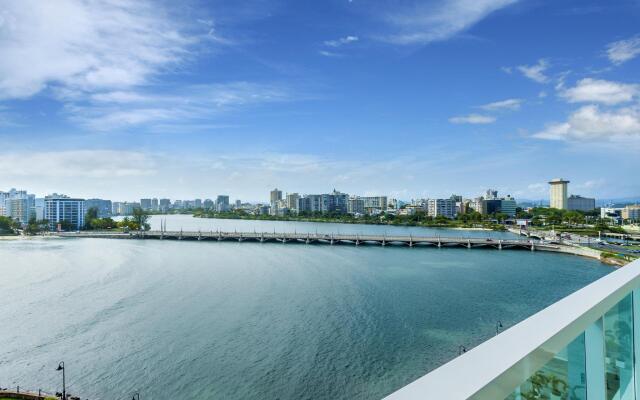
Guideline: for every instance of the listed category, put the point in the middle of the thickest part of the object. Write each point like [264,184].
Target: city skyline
[412,99]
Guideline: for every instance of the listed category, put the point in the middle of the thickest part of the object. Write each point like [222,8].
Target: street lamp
[498,327]
[64,386]
[136,396]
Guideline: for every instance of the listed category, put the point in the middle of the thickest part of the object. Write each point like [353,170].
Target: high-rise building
[207,204]
[18,205]
[40,209]
[441,207]
[222,203]
[508,206]
[59,208]
[164,205]
[154,204]
[356,205]
[145,204]
[579,203]
[105,207]
[275,195]
[238,204]
[558,194]
[375,204]
[491,194]
[292,201]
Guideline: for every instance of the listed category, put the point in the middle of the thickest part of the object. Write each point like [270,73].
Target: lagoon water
[226,320]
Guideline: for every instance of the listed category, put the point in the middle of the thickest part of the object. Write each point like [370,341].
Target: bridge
[323,238]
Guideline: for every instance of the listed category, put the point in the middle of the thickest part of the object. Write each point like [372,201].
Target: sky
[123,99]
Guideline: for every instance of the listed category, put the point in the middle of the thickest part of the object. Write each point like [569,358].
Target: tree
[141,218]
[90,216]
[34,226]
[8,225]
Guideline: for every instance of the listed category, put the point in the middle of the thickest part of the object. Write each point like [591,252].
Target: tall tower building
[276,195]
[558,194]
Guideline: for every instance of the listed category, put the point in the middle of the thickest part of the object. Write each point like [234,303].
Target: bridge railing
[585,346]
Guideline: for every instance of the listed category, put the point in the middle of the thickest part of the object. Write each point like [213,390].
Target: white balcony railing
[585,346]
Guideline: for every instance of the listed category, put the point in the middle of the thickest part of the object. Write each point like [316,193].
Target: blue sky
[125,99]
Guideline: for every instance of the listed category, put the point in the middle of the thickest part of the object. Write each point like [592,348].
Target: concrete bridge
[322,238]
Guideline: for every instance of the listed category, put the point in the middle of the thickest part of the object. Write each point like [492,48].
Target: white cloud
[472,119]
[589,123]
[508,104]
[623,50]
[77,164]
[86,45]
[116,109]
[427,23]
[600,91]
[536,72]
[341,41]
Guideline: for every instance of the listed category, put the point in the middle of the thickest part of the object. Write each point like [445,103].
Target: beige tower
[558,194]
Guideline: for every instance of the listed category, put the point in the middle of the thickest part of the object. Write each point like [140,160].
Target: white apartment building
[59,208]
[441,207]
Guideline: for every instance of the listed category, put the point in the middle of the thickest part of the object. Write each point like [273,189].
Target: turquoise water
[226,320]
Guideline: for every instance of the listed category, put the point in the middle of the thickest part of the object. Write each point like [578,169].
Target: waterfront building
[292,201]
[238,204]
[145,204]
[375,204]
[105,207]
[441,207]
[508,206]
[59,208]
[336,202]
[154,204]
[356,205]
[222,203]
[17,205]
[275,195]
[558,194]
[579,203]
[3,197]
[178,205]
[207,204]
[197,203]
[125,208]
[478,205]
[164,205]
[631,213]
[40,209]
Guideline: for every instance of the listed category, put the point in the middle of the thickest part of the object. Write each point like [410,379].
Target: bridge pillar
[533,247]
[468,244]
[439,243]
[384,242]
[499,244]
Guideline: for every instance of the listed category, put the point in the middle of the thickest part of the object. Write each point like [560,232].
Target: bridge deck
[330,238]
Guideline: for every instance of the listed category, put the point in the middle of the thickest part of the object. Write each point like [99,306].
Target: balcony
[585,346]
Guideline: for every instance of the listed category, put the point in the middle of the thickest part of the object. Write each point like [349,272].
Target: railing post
[636,340]
[594,360]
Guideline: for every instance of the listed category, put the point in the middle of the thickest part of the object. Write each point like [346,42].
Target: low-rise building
[579,203]
[631,213]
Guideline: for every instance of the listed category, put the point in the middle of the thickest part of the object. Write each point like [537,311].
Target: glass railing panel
[618,331]
[562,378]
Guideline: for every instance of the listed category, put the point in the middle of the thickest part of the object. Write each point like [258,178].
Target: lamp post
[136,396]
[498,327]
[64,385]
